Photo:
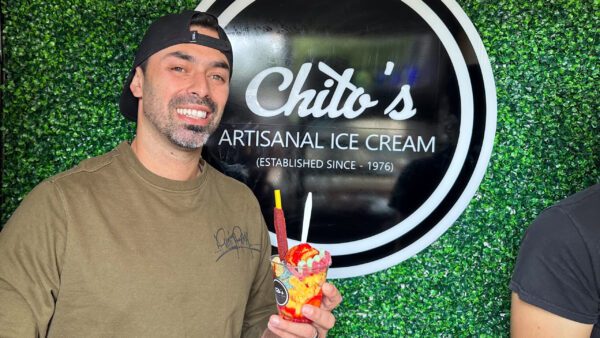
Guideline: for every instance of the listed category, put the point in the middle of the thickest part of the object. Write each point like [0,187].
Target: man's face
[183,92]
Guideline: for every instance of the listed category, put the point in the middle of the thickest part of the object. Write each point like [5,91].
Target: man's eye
[218,77]
[177,69]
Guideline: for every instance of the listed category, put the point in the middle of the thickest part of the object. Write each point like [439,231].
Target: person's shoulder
[582,201]
[89,165]
[581,210]
[571,219]
[48,191]
[556,266]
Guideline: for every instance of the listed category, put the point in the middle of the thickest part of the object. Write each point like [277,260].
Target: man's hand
[323,319]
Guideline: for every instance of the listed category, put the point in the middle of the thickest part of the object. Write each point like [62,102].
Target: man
[148,239]
[556,282]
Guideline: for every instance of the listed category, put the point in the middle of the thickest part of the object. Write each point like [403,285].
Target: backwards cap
[165,32]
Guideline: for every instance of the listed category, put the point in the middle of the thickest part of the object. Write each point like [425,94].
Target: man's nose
[199,85]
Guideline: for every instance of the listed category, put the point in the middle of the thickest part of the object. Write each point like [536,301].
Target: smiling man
[149,240]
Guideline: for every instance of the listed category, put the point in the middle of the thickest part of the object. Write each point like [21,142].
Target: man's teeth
[198,114]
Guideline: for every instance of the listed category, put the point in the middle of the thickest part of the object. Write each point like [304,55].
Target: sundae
[298,273]
[298,280]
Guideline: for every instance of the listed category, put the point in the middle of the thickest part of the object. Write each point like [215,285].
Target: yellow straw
[277,199]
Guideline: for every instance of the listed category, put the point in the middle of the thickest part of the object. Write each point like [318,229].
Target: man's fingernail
[307,310]
[274,321]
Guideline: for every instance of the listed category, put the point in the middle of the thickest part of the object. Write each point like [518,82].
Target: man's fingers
[322,319]
[288,329]
[331,297]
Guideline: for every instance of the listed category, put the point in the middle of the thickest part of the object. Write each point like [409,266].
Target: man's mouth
[193,113]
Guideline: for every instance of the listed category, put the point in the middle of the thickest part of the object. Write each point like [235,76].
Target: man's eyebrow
[220,64]
[181,55]
[190,58]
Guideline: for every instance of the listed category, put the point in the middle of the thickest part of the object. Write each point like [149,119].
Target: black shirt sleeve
[554,269]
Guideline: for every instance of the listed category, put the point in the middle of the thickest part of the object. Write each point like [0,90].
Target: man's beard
[187,137]
[191,143]
[202,134]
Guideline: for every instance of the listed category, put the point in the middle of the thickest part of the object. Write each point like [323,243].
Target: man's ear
[137,83]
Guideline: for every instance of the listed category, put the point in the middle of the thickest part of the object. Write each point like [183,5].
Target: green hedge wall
[65,62]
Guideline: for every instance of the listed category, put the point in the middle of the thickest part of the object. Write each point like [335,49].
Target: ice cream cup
[295,287]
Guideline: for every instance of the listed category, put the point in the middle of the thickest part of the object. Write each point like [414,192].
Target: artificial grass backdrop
[65,61]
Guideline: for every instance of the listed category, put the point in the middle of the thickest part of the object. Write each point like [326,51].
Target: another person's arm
[527,320]
[555,281]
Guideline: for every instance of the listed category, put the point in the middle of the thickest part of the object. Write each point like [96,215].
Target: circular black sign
[281,293]
[385,111]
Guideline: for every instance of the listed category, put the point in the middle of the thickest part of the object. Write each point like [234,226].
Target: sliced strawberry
[300,252]
[316,300]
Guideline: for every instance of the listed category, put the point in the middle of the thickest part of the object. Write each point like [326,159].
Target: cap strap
[209,41]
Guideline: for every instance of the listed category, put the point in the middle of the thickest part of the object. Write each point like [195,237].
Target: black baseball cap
[169,30]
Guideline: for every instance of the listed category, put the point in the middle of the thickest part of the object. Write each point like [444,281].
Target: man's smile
[193,113]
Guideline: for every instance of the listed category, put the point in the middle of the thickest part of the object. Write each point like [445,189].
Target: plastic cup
[296,287]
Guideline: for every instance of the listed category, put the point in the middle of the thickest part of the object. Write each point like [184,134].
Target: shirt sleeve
[554,270]
[261,301]
[31,248]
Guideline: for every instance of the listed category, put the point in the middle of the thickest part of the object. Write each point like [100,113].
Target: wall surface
[65,62]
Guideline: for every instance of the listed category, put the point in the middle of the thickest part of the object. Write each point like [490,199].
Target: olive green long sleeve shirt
[108,249]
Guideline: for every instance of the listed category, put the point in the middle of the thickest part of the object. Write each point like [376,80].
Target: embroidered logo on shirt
[234,240]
